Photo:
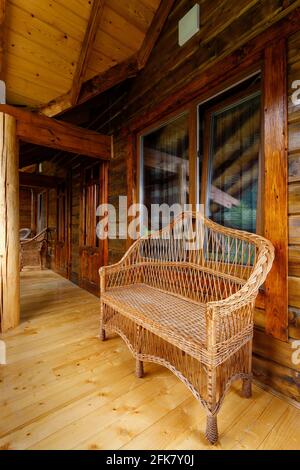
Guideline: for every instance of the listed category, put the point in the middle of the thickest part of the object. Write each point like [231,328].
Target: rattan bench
[189,307]
[32,250]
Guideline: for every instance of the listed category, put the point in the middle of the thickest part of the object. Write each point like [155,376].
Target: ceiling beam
[2,36]
[112,77]
[42,130]
[56,106]
[154,31]
[34,180]
[87,47]
[129,68]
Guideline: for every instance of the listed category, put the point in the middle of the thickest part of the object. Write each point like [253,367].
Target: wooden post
[9,226]
[275,187]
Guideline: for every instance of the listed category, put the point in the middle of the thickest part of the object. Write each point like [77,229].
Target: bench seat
[177,320]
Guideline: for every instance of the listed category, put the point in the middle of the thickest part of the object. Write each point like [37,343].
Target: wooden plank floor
[64,389]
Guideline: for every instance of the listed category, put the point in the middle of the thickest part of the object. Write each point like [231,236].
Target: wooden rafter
[41,130]
[129,68]
[154,31]
[2,36]
[33,180]
[87,47]
[113,76]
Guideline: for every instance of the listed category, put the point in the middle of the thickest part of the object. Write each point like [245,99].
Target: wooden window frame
[193,152]
[206,156]
[274,169]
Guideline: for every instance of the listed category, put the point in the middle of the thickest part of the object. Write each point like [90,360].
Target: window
[164,166]
[231,140]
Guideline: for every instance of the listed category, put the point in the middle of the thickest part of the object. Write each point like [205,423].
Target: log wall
[294,176]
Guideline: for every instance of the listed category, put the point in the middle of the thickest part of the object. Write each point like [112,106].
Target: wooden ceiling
[52,47]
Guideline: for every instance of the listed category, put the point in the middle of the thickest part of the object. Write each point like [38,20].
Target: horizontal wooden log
[260,323]
[280,378]
[294,167]
[294,261]
[294,291]
[294,198]
[294,137]
[294,229]
[41,130]
[280,351]
[33,180]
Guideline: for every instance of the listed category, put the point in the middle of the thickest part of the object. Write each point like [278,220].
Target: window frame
[204,183]
[192,152]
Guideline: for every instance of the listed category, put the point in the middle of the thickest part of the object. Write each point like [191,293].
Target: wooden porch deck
[64,389]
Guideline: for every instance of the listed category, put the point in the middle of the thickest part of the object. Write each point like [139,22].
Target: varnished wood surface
[9,228]
[45,40]
[42,130]
[64,389]
[275,187]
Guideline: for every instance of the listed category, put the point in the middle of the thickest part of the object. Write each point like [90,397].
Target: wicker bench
[187,308]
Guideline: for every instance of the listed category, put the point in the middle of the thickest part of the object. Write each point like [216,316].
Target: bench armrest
[233,316]
[120,273]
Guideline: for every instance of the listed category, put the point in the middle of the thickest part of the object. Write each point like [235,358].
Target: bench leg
[102,334]
[139,369]
[247,388]
[211,433]
[102,330]
[247,383]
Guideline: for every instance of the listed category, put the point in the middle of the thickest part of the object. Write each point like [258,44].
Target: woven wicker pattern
[32,250]
[189,307]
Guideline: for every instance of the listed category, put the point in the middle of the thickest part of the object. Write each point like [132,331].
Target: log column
[9,224]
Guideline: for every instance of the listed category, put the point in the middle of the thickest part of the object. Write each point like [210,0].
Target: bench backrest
[199,259]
